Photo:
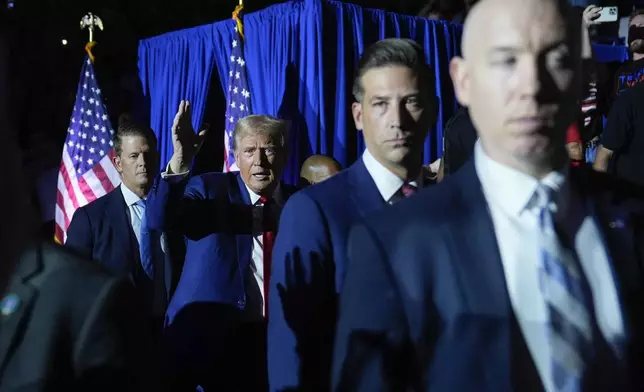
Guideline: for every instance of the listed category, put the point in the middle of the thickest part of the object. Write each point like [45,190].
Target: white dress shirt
[388,183]
[509,195]
[134,212]
[257,259]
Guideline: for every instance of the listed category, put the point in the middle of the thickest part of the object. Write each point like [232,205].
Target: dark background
[45,73]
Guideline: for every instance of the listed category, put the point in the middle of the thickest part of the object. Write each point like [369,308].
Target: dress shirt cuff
[173,177]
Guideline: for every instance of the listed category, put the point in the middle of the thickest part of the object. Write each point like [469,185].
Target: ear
[460,78]
[356,109]
[117,163]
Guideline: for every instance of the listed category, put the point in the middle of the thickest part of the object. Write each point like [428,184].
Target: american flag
[86,171]
[238,98]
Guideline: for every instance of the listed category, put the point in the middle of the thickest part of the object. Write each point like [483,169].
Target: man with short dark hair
[517,273]
[108,230]
[395,104]
[215,334]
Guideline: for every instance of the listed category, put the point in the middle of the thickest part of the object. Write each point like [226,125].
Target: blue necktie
[149,241]
[568,303]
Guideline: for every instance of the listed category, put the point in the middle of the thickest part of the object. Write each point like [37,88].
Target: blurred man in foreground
[65,323]
[519,272]
[318,168]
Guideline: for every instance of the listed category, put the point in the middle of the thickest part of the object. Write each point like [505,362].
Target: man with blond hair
[215,333]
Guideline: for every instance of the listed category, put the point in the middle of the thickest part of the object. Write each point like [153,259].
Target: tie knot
[264,199]
[408,189]
[140,203]
[544,196]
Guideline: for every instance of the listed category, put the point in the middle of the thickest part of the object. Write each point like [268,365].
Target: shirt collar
[130,197]
[388,183]
[511,189]
[254,197]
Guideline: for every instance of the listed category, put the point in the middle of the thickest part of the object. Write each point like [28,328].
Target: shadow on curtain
[300,57]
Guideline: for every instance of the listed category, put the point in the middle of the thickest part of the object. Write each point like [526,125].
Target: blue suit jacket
[309,259]
[213,212]
[207,338]
[102,231]
[425,304]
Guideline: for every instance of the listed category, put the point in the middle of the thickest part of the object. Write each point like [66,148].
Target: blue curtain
[301,57]
[173,67]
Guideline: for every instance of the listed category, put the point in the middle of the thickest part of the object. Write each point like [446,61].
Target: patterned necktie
[408,189]
[268,237]
[568,303]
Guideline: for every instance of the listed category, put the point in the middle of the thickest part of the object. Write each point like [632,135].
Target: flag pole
[91,22]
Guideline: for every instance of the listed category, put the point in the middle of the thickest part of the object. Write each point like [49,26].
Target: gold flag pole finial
[90,22]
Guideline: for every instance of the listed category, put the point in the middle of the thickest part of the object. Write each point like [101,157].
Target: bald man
[517,273]
[318,168]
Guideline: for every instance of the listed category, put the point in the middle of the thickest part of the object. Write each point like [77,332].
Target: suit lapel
[363,190]
[118,216]
[16,305]
[238,195]
[481,274]
[617,229]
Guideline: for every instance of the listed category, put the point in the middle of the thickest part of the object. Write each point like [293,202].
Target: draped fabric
[301,58]
[173,67]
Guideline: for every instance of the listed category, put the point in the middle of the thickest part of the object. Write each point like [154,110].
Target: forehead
[638,20]
[384,80]
[259,138]
[530,26]
[134,142]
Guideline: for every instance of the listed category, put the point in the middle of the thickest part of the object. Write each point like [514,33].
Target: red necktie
[408,190]
[268,236]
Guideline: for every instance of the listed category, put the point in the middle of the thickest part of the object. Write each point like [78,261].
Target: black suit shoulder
[82,328]
[97,207]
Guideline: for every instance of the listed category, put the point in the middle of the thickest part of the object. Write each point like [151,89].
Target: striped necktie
[568,302]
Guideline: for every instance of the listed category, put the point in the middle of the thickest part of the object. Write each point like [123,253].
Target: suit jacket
[67,325]
[425,304]
[102,231]
[205,318]
[309,260]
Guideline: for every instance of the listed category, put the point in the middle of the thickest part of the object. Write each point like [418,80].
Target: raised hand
[185,141]
[590,15]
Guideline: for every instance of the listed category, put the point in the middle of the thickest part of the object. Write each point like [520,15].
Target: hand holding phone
[607,15]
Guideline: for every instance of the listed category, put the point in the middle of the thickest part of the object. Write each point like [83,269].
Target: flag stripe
[238,102]
[86,169]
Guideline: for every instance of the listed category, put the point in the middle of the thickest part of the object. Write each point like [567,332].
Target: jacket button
[241,302]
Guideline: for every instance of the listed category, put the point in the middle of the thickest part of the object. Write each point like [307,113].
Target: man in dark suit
[216,330]
[395,105]
[65,323]
[108,230]
[517,273]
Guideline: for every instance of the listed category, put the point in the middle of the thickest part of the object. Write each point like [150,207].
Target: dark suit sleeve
[302,300]
[79,234]
[372,346]
[112,352]
[187,206]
